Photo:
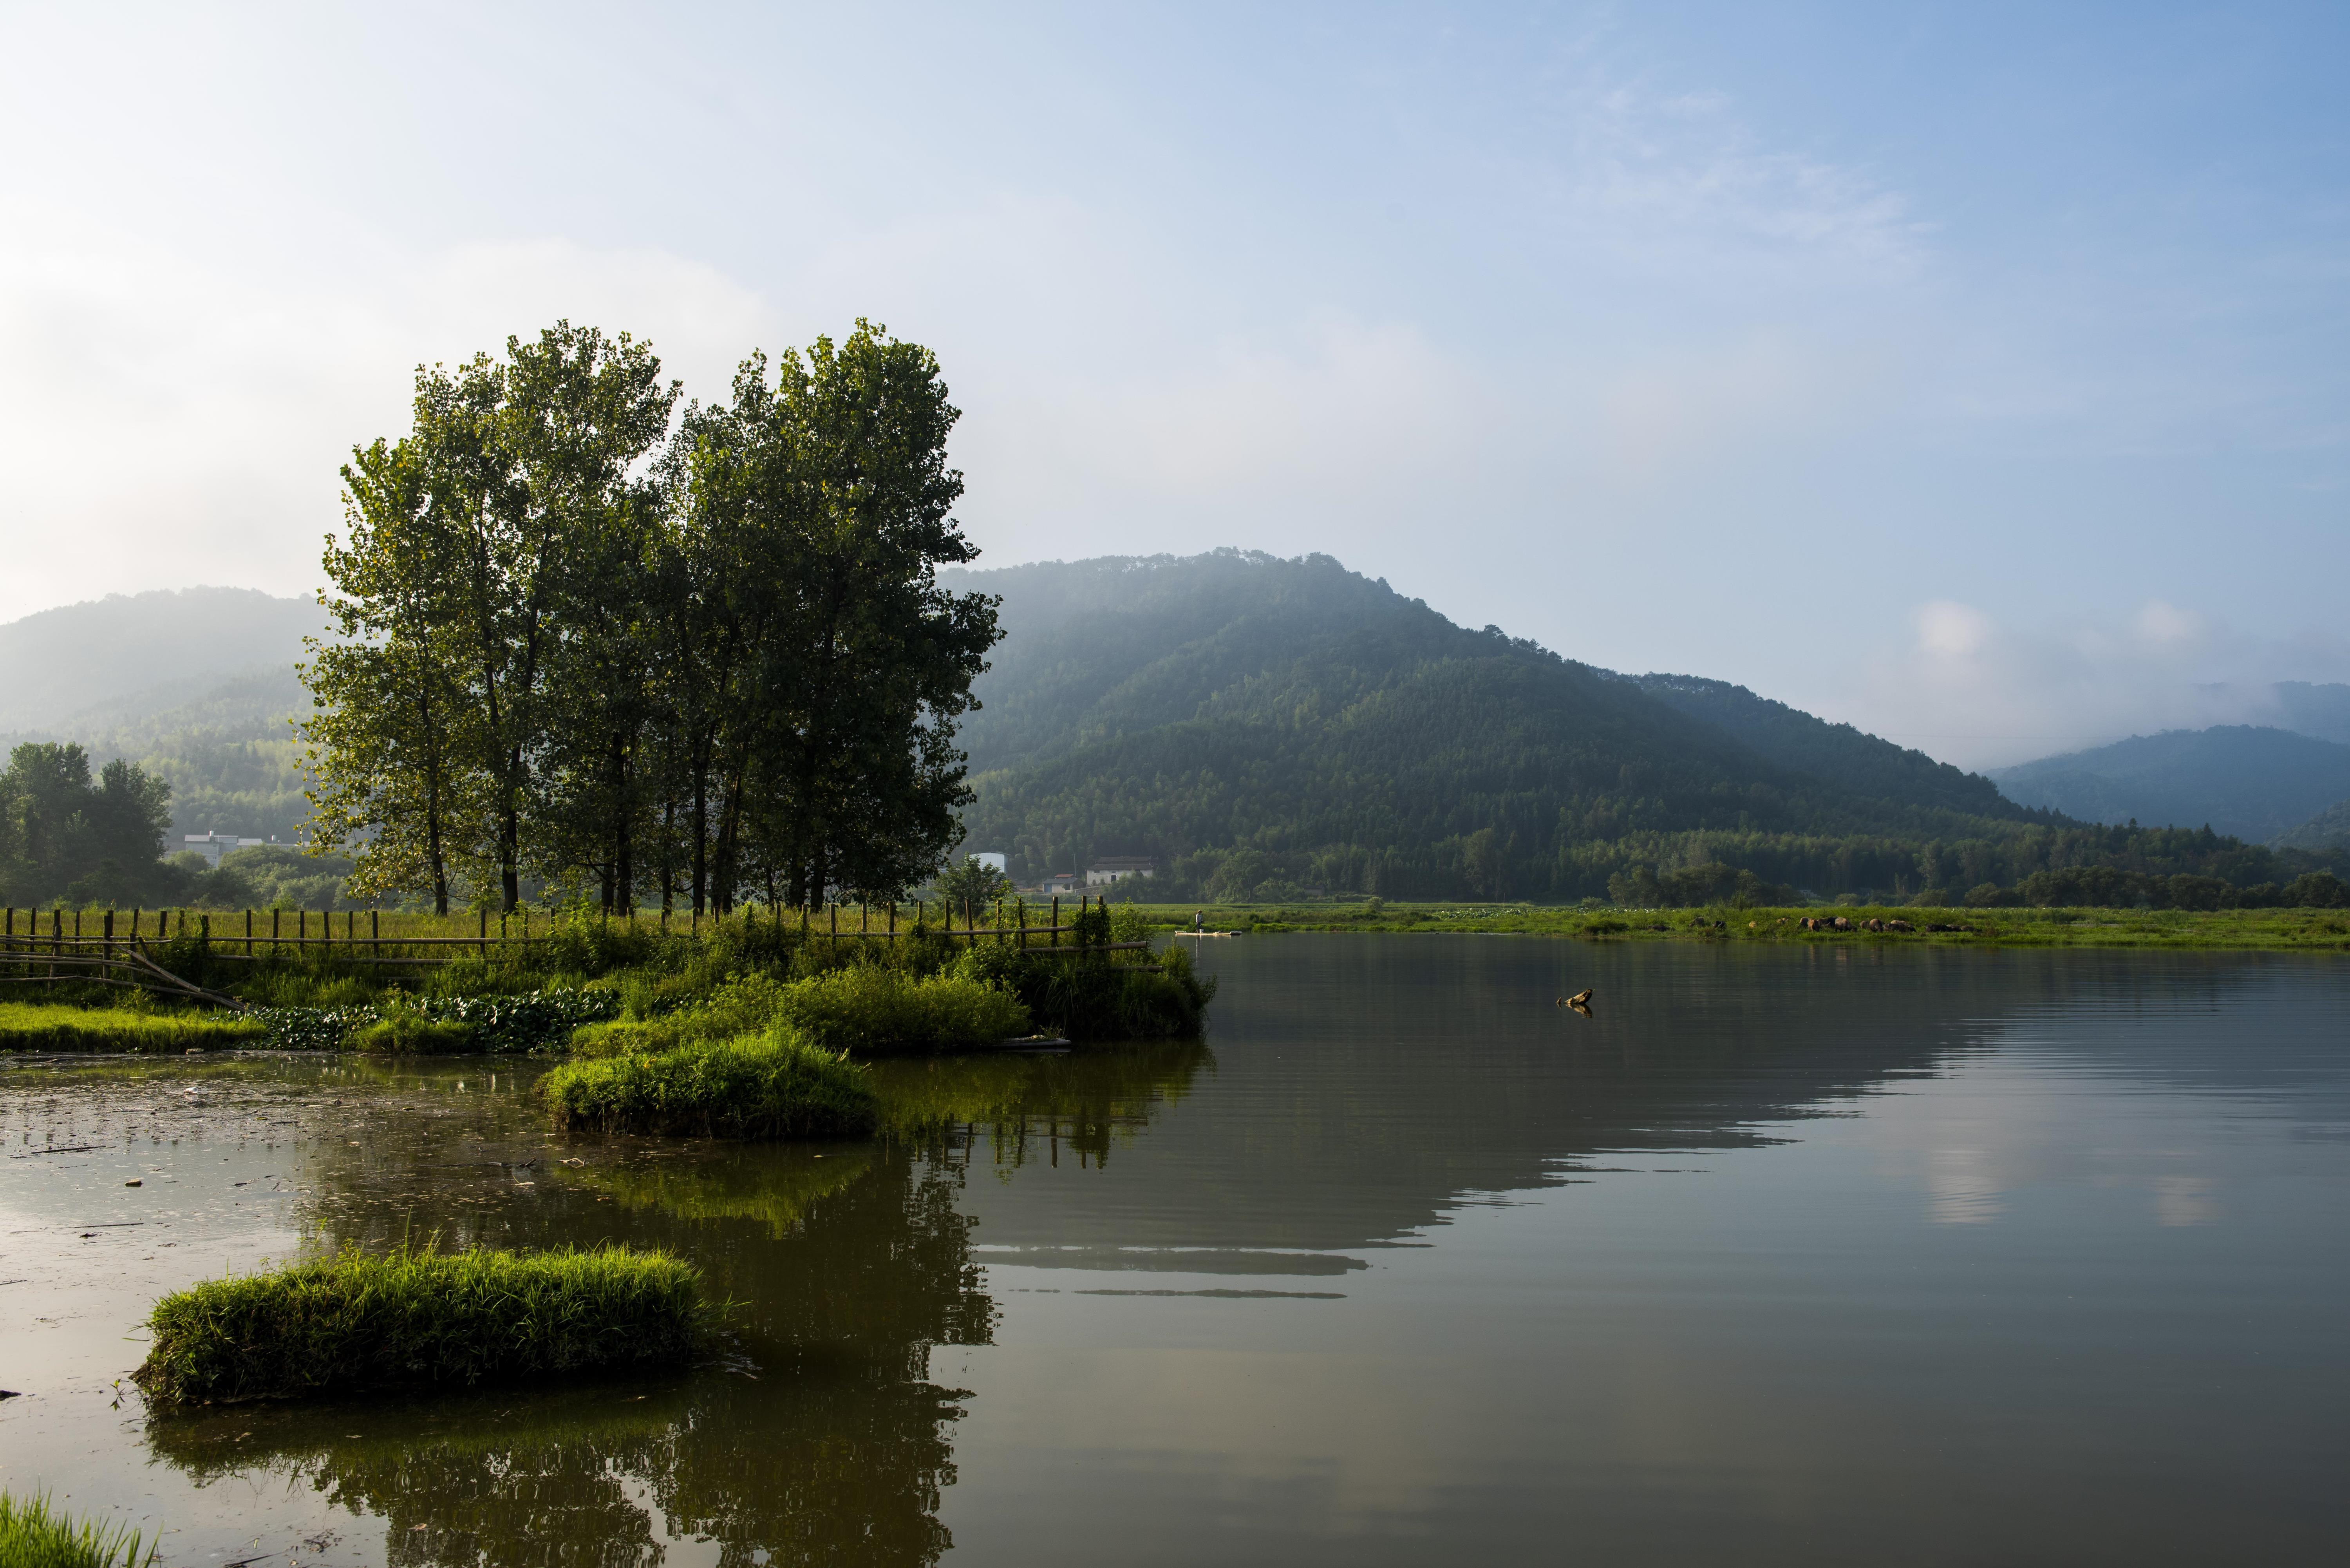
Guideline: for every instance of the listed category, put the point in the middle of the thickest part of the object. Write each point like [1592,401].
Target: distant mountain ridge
[2249,780]
[113,662]
[1236,704]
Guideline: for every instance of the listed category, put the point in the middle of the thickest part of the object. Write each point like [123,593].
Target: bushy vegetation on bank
[52,1026]
[360,1321]
[772,1085]
[33,1535]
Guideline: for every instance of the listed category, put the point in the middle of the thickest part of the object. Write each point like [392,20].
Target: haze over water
[1785,1254]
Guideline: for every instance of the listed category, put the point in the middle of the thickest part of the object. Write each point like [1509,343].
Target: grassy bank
[772,1085]
[358,1321]
[33,1535]
[2271,929]
[52,1026]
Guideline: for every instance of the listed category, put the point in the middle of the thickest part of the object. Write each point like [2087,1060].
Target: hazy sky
[1974,372]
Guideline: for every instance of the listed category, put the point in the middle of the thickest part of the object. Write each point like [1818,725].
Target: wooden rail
[109,957]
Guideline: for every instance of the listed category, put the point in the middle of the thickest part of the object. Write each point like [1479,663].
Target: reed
[33,1536]
[361,1321]
[50,1026]
[774,1084]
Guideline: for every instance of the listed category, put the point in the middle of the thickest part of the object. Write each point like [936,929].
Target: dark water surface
[1784,1255]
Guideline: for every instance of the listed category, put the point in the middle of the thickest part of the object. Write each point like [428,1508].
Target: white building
[1116,868]
[212,846]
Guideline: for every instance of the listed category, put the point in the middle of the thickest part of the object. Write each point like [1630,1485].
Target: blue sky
[1976,373]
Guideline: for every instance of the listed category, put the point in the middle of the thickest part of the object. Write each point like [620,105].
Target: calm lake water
[1784,1255]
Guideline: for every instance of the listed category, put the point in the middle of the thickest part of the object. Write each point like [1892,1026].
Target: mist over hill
[100,665]
[2252,782]
[1254,722]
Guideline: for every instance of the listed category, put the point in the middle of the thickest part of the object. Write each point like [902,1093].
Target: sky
[1974,373]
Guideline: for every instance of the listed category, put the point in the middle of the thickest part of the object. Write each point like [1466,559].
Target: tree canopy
[578,644]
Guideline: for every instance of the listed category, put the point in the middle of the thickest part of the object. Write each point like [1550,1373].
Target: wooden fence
[124,954]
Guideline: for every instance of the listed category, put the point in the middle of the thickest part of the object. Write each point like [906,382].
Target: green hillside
[1260,723]
[2250,782]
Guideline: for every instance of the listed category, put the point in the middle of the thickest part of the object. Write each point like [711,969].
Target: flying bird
[1580,999]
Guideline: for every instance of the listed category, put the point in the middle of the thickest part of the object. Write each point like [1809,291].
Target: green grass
[2279,929]
[32,1536]
[772,1084]
[867,1008]
[863,1008]
[410,1035]
[49,1026]
[359,1321]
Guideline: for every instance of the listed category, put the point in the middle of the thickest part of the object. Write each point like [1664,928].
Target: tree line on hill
[1265,727]
[576,644]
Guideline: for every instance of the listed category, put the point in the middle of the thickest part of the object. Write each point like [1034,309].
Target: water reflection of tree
[842,1463]
[1036,1107]
[817,1434]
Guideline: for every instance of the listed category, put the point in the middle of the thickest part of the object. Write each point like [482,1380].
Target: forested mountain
[1257,724]
[2328,832]
[1839,752]
[2250,782]
[98,666]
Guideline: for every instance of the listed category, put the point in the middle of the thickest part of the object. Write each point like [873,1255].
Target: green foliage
[566,652]
[861,1007]
[867,1008]
[772,1085]
[972,885]
[356,1321]
[1091,996]
[408,1033]
[65,835]
[33,1535]
[496,1025]
[37,1026]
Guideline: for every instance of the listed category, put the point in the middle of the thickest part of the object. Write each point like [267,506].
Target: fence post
[134,928]
[249,933]
[1057,919]
[109,925]
[375,934]
[893,917]
[835,907]
[481,937]
[274,915]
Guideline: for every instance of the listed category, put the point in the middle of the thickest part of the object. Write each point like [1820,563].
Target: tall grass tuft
[37,1026]
[867,1008]
[772,1084]
[362,1321]
[31,1536]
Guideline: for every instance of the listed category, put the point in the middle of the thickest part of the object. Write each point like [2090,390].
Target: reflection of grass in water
[830,1464]
[1082,1096]
[777,1190]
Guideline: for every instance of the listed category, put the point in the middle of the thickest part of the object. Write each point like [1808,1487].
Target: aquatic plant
[50,1026]
[32,1536]
[360,1321]
[776,1084]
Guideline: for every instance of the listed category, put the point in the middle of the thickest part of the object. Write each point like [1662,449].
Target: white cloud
[1982,693]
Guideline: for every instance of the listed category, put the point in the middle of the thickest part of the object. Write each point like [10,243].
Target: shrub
[357,1321]
[767,1086]
[1091,997]
[33,1537]
[868,1008]
[412,1033]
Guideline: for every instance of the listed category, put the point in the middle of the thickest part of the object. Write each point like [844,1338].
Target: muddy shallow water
[1787,1254]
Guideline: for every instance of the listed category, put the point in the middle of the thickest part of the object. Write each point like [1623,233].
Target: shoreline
[2250,931]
